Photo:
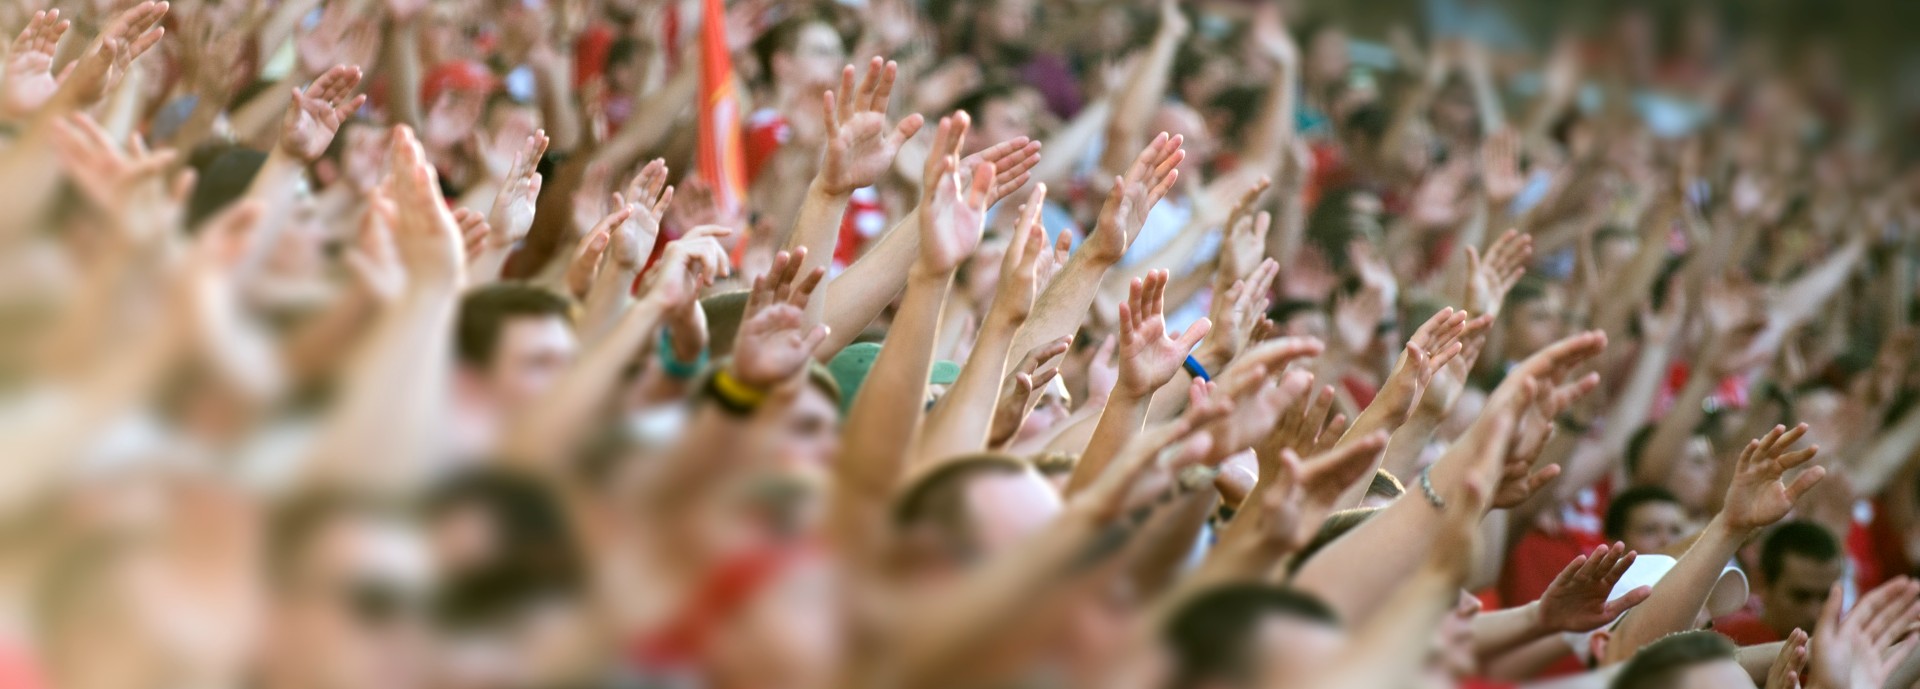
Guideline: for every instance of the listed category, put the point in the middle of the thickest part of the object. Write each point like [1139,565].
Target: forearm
[610,295]
[1495,633]
[1669,441]
[959,422]
[885,416]
[1635,401]
[402,59]
[653,119]
[546,433]
[560,110]
[865,289]
[1272,134]
[1134,107]
[1679,596]
[1063,305]
[1165,541]
[1390,651]
[1069,144]
[1118,423]
[276,186]
[817,228]
[1388,412]
[389,415]
[1406,443]
[319,345]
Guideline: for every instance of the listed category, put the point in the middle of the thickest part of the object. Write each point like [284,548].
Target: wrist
[822,190]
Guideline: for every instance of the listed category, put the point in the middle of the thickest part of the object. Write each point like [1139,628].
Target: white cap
[1729,594]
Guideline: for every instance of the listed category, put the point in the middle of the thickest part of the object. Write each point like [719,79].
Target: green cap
[850,367]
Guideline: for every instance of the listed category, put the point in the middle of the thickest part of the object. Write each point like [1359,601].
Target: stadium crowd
[1186,344]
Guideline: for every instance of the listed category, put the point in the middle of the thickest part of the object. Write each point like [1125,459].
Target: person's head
[999,112]
[1613,247]
[514,340]
[1341,216]
[350,581]
[1799,563]
[1003,29]
[1688,660]
[810,438]
[1229,636]
[1534,318]
[1646,518]
[1324,49]
[1178,119]
[1299,318]
[803,52]
[850,367]
[1383,490]
[1692,478]
[964,509]
[1054,407]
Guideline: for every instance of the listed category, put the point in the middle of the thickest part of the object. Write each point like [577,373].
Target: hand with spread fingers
[1244,245]
[29,82]
[317,112]
[1577,602]
[860,143]
[511,216]
[1237,313]
[1759,495]
[1134,194]
[775,342]
[1149,355]
[1016,392]
[1491,276]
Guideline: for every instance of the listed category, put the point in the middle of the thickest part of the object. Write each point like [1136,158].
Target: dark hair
[1803,538]
[1212,634]
[484,313]
[296,524]
[1528,288]
[1384,485]
[1636,447]
[1660,664]
[536,558]
[1336,525]
[223,180]
[938,498]
[1618,513]
[785,36]
[975,103]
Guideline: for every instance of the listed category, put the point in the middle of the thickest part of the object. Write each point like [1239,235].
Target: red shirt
[1746,629]
[1540,554]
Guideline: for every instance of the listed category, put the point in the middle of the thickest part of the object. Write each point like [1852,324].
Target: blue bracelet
[675,369]
[1198,371]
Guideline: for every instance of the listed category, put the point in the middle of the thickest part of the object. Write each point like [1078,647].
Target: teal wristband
[676,369]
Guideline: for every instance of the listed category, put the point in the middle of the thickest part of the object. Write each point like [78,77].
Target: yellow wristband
[736,393]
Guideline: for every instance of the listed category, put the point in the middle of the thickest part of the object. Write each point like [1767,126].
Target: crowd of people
[1188,344]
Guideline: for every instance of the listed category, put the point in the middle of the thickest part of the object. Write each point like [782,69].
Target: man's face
[816,60]
[1653,526]
[1793,600]
[352,613]
[812,431]
[1693,475]
[1000,119]
[531,354]
[1293,646]
[1008,507]
[1535,325]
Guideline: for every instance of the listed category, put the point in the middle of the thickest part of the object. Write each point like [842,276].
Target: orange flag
[718,142]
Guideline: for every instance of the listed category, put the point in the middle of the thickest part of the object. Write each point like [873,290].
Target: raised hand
[1020,280]
[1500,168]
[1305,427]
[473,233]
[1016,392]
[1237,312]
[1577,602]
[128,36]
[1134,194]
[953,214]
[426,238]
[1489,278]
[373,259]
[1433,346]
[585,265]
[318,110]
[127,185]
[1451,380]
[687,265]
[1519,480]
[645,202]
[1103,372]
[1852,651]
[512,213]
[29,80]
[860,144]
[1244,245]
[775,343]
[1758,496]
[1012,160]
[1149,355]
[1790,664]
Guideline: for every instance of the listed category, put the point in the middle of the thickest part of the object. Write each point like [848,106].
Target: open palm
[860,143]
[1757,496]
[1149,355]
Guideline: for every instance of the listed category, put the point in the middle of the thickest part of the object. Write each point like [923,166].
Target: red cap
[456,75]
